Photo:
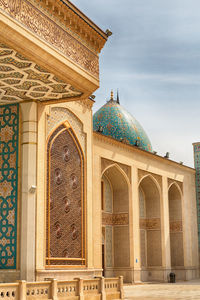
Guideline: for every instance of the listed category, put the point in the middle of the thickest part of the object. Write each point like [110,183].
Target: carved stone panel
[44,27]
[115,219]
[150,224]
[65,200]
[176,226]
[22,79]
[61,114]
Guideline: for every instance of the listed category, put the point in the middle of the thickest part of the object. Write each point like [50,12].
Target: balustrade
[91,286]
[38,290]
[9,291]
[77,289]
[67,288]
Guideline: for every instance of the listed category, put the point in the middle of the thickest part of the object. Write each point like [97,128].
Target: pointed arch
[65,234]
[176,225]
[115,218]
[119,169]
[178,187]
[150,223]
[153,179]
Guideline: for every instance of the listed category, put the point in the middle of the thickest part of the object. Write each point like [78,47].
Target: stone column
[22,289]
[135,227]
[165,230]
[54,289]
[97,228]
[80,288]
[28,189]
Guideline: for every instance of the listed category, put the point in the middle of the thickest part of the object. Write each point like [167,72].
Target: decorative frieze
[29,14]
[176,226]
[115,219]
[149,224]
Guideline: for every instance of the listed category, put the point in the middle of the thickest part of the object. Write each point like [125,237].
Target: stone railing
[78,289]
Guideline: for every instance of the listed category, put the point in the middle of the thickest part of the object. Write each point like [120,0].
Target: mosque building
[81,195]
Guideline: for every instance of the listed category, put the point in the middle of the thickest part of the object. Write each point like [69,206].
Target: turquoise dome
[114,121]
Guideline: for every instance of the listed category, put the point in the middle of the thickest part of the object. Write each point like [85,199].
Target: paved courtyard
[167,291]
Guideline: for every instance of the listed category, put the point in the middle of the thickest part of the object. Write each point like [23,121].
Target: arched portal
[176,230]
[65,242]
[150,225]
[115,221]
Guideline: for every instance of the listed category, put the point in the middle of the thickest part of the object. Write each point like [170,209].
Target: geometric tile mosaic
[22,79]
[197,167]
[9,128]
[118,123]
[109,254]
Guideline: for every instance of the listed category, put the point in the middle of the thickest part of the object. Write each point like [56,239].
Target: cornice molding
[74,22]
[130,148]
[23,22]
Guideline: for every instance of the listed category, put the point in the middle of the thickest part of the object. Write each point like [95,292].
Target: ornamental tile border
[9,128]
[197,167]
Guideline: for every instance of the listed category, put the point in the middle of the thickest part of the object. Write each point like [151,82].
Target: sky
[153,59]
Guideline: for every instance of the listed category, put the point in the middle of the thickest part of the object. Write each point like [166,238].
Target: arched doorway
[150,227]
[115,221]
[176,228]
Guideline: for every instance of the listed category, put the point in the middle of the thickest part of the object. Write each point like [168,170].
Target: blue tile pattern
[9,141]
[120,125]
[197,167]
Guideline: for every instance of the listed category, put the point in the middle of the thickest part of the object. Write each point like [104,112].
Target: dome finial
[111,95]
[118,97]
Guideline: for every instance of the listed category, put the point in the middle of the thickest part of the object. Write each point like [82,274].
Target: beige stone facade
[155,200]
[80,204]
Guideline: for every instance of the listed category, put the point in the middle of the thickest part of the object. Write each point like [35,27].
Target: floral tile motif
[9,128]
[117,123]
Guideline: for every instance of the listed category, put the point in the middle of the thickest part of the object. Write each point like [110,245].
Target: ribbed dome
[114,121]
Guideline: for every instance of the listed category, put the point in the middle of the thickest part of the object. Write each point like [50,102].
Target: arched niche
[65,213]
[176,228]
[115,214]
[150,226]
